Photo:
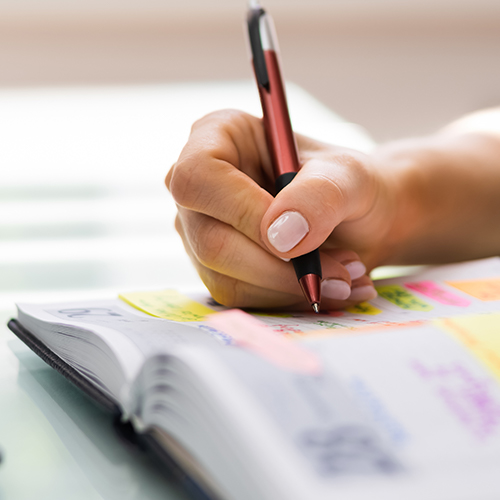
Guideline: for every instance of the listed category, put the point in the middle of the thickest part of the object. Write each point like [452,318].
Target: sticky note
[401,297]
[167,304]
[484,289]
[437,293]
[480,334]
[250,333]
[363,308]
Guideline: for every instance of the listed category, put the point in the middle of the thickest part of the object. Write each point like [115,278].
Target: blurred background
[397,67]
[97,96]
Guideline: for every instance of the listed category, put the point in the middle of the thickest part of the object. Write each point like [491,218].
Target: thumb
[322,195]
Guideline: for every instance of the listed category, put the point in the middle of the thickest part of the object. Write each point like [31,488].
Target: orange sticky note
[485,289]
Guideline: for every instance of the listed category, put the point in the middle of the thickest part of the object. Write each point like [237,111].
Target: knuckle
[346,255]
[184,183]
[244,217]
[210,245]
[352,256]
[228,291]
[168,177]
[212,139]
[220,118]
[356,166]
[217,285]
[178,224]
[326,190]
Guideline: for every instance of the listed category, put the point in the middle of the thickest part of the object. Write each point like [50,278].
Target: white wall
[396,67]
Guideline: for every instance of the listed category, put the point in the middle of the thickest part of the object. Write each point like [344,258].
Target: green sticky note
[401,297]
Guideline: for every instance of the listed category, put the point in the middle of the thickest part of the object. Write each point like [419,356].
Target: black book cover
[124,429]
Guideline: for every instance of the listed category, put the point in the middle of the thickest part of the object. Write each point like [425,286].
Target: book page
[443,291]
[120,324]
[139,325]
[399,412]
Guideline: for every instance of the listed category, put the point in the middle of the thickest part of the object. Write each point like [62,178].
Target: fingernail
[362,293]
[287,231]
[335,289]
[356,269]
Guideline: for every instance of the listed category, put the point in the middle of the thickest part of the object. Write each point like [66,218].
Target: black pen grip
[308,263]
[283,180]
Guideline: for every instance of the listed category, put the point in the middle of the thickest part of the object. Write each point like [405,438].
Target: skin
[428,200]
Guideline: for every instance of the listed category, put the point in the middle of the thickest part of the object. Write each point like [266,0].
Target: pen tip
[315,307]
[253,4]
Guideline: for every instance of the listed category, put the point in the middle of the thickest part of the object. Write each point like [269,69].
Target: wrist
[445,196]
[399,166]
[412,171]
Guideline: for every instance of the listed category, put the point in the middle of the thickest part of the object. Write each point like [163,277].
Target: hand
[239,236]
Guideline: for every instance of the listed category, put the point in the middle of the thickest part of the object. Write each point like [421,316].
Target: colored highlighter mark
[328,324]
[364,308]
[484,289]
[167,304]
[402,298]
[285,329]
[435,292]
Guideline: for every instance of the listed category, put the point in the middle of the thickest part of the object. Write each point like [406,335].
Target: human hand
[238,235]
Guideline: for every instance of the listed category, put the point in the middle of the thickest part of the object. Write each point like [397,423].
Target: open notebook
[396,398]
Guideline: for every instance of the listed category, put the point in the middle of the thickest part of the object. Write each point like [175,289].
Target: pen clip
[259,61]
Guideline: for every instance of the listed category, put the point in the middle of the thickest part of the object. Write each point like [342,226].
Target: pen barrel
[280,138]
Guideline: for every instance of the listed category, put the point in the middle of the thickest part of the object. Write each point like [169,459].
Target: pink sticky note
[435,292]
[250,333]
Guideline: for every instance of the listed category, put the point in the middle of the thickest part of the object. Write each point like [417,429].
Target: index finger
[224,170]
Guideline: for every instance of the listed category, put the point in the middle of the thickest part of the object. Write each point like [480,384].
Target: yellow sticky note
[364,308]
[167,304]
[401,297]
[481,334]
[485,289]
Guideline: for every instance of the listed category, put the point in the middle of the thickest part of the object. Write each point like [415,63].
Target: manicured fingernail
[363,293]
[287,231]
[335,289]
[356,269]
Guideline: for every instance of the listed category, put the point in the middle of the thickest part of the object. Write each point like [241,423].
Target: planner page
[107,341]
[441,291]
[392,412]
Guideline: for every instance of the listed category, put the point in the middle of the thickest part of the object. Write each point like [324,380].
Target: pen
[279,134]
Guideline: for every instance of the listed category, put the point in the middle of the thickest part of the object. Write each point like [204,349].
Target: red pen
[279,134]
